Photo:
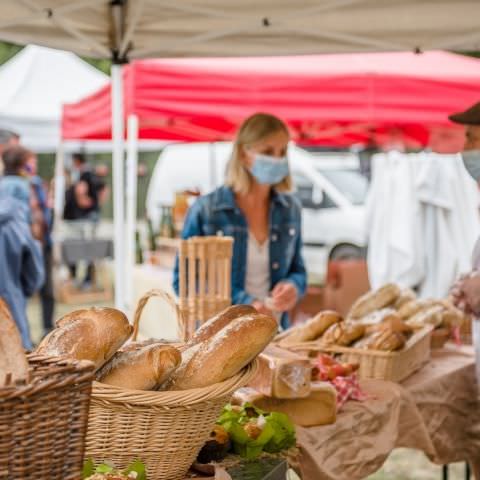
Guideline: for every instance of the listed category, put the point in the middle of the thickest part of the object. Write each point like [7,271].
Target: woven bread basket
[43,421]
[165,430]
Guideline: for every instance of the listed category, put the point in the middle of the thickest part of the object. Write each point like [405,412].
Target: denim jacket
[218,214]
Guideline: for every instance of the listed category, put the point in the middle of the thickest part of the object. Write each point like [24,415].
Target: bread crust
[313,328]
[224,354]
[374,300]
[93,334]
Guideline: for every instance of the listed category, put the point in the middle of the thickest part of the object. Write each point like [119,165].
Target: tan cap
[470,116]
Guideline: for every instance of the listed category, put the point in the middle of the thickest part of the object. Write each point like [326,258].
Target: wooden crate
[393,366]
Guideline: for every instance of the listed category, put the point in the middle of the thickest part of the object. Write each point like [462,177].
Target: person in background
[257,210]
[466,291]
[42,213]
[82,205]
[21,262]
[15,181]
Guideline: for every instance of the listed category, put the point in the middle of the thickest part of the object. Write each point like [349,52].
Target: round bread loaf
[93,334]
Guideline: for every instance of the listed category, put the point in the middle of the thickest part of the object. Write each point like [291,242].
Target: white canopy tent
[33,86]
[126,29]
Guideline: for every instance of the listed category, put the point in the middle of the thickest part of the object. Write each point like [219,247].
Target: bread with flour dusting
[224,354]
[93,334]
[13,361]
[145,368]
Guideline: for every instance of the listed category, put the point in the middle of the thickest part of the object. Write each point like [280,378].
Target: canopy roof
[200,28]
[329,99]
[33,86]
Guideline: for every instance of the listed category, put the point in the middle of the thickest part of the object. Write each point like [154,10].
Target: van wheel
[347,252]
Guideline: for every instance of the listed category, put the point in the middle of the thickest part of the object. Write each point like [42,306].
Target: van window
[350,182]
[304,192]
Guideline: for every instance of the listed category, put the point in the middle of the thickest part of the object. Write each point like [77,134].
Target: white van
[329,185]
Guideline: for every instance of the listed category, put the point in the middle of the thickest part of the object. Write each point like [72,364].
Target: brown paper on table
[435,411]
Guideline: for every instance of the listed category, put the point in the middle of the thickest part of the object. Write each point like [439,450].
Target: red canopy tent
[330,100]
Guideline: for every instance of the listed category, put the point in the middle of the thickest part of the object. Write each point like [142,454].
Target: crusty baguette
[13,360]
[143,369]
[374,300]
[219,321]
[225,354]
[93,334]
[312,329]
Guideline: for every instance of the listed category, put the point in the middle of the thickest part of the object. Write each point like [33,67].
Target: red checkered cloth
[348,388]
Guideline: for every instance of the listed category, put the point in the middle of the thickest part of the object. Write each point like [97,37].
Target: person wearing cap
[466,291]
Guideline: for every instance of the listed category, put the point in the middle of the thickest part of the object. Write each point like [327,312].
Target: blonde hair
[254,129]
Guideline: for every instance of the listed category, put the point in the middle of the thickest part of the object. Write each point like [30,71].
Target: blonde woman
[257,210]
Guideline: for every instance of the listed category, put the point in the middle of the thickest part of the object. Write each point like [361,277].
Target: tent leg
[131,208]
[58,202]
[118,185]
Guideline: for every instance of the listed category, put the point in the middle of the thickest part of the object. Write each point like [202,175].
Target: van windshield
[350,182]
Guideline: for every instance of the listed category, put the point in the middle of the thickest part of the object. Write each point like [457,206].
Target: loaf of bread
[93,334]
[375,300]
[312,329]
[225,353]
[13,361]
[282,374]
[319,408]
[391,322]
[343,334]
[411,308]
[430,316]
[376,317]
[386,340]
[406,295]
[145,368]
[220,321]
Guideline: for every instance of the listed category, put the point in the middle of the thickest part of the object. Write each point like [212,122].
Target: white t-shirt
[257,280]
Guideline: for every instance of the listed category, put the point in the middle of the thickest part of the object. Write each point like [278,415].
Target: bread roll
[143,369]
[376,317]
[406,295]
[13,361]
[225,354]
[391,322]
[93,334]
[219,321]
[343,334]
[375,300]
[386,340]
[313,328]
[430,316]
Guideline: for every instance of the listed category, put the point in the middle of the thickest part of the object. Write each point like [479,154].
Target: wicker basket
[43,422]
[393,366]
[165,430]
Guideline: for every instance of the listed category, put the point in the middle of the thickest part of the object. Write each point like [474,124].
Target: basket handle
[168,299]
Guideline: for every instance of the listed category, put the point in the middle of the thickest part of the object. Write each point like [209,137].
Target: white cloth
[257,280]
[423,221]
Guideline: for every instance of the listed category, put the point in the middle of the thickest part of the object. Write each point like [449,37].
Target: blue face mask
[269,170]
[471,160]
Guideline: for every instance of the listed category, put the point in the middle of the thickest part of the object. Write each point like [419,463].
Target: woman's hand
[261,308]
[284,297]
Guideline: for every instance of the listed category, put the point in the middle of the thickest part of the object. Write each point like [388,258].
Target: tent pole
[59,197]
[118,184]
[131,205]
